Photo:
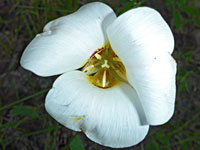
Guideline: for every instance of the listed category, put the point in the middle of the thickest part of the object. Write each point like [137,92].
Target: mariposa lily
[117,73]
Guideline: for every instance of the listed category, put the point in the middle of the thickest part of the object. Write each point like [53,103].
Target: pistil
[105,64]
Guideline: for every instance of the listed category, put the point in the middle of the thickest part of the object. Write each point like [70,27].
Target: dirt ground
[18,26]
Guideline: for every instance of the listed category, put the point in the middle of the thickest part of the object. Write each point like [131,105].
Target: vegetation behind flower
[23,120]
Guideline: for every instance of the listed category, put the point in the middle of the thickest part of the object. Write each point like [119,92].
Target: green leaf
[27,134]
[16,123]
[24,99]
[68,4]
[180,3]
[178,21]
[9,125]
[197,22]
[164,140]
[128,5]
[139,3]
[24,110]
[152,145]
[184,146]
[170,2]
[76,144]
[187,56]
[182,78]
[191,11]
[1,20]
[76,2]
[27,24]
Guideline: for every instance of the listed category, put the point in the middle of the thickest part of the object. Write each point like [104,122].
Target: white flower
[112,96]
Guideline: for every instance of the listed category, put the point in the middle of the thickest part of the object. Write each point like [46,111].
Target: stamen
[88,68]
[104,79]
[105,64]
[104,69]
[116,59]
[98,56]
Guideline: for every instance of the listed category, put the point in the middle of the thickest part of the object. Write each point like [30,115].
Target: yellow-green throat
[104,69]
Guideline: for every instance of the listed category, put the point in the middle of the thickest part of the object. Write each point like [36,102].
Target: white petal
[112,117]
[153,77]
[68,42]
[141,29]
[143,41]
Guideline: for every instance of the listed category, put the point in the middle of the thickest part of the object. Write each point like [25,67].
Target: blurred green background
[25,125]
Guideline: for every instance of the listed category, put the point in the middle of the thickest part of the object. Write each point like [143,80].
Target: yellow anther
[105,64]
[88,68]
[78,119]
[116,59]
[98,56]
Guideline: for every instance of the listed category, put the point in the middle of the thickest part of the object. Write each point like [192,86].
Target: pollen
[78,119]
[104,69]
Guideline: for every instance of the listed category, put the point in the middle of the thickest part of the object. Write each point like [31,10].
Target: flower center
[104,69]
